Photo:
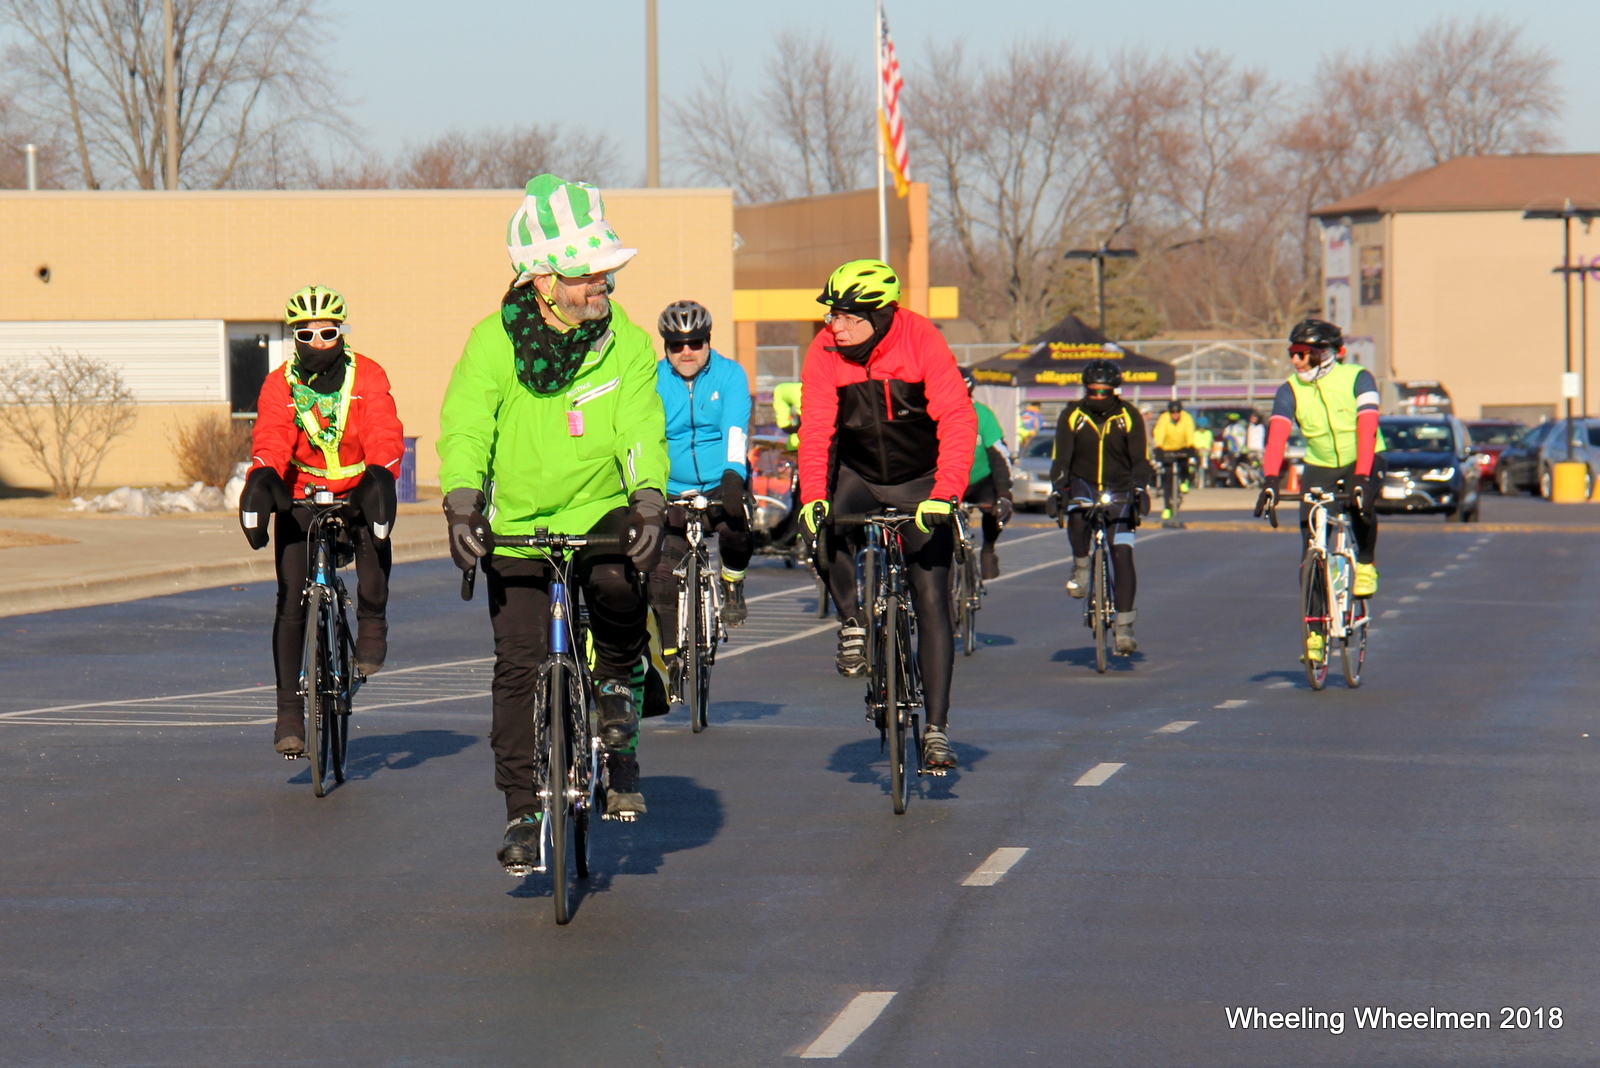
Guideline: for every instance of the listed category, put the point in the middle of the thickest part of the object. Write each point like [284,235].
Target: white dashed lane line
[863,1010]
[1231,703]
[1409,600]
[1423,585]
[1098,774]
[1177,726]
[1000,861]
[1390,613]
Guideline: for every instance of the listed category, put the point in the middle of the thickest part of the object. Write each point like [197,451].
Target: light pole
[1566,213]
[169,101]
[1099,257]
[652,101]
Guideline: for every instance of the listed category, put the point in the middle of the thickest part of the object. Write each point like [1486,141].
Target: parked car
[1030,475]
[1490,437]
[1517,469]
[1431,467]
[1585,449]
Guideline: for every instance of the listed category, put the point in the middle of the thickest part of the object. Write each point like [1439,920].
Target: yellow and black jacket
[1108,452]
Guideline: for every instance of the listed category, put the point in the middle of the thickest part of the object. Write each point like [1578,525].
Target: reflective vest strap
[330,453]
[336,471]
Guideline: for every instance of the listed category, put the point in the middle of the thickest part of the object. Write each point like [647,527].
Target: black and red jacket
[902,416]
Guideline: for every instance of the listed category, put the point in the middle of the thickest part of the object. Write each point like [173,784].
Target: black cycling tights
[1363,526]
[1125,581]
[928,558]
[373,561]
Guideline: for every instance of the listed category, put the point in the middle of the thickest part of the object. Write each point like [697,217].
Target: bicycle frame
[1336,564]
[695,507]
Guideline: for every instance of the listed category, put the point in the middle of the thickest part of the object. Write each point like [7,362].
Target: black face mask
[1101,405]
[314,365]
[881,319]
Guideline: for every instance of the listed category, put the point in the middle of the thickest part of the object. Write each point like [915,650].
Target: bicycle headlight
[1438,474]
[1105,498]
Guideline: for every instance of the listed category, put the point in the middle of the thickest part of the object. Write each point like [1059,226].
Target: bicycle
[1100,606]
[1327,573]
[328,681]
[700,627]
[570,776]
[966,594]
[894,683]
[1174,465]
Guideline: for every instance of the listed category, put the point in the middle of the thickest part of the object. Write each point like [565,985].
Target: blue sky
[418,67]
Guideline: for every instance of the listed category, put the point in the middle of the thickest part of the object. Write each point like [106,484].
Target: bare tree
[15,136]
[821,107]
[722,141]
[1474,88]
[250,79]
[65,410]
[505,159]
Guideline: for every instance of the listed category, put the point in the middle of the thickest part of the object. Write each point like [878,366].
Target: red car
[1489,439]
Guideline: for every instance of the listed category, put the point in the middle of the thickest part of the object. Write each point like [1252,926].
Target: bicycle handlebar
[543,540]
[861,519]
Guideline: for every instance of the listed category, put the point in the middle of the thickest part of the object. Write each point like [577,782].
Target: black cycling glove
[374,497]
[641,538]
[264,492]
[733,500]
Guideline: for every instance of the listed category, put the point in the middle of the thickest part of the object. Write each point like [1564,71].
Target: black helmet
[1316,333]
[1102,372]
[971,380]
[685,320]
[1174,405]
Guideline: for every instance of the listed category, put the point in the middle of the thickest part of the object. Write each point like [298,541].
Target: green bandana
[547,360]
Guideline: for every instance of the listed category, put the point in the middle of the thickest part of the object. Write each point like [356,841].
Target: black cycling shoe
[372,645]
[733,610]
[289,739]
[519,853]
[851,660]
[991,565]
[619,721]
[623,799]
[937,756]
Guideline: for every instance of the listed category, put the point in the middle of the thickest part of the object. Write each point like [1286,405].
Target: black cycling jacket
[1108,452]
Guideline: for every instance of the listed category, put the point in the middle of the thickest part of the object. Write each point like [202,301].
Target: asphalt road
[172,894]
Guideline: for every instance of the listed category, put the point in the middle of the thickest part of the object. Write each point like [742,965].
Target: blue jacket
[708,423]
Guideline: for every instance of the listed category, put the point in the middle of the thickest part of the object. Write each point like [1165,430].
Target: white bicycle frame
[710,589]
[1338,563]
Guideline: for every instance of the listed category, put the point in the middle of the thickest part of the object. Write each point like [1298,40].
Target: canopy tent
[1057,358]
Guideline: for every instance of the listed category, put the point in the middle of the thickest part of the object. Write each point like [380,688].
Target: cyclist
[707,402]
[890,426]
[1173,441]
[786,411]
[1100,447]
[553,407]
[1204,439]
[989,485]
[327,420]
[1336,407]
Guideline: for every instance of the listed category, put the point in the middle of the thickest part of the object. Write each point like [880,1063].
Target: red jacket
[372,432]
[904,416]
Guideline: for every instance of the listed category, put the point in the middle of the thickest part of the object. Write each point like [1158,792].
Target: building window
[253,350]
[1372,274]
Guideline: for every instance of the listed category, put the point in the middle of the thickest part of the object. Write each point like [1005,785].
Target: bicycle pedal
[520,871]
[622,817]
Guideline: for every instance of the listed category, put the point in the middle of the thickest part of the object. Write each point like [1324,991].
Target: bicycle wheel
[587,756]
[1354,652]
[969,602]
[312,668]
[708,654]
[693,626]
[1313,596]
[339,718]
[866,602]
[555,802]
[1097,607]
[899,790]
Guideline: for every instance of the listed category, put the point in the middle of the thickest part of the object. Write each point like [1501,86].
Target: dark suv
[1431,467]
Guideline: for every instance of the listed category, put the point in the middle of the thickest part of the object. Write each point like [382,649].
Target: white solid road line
[999,862]
[1231,703]
[740,650]
[1056,563]
[1179,725]
[846,1027]
[1098,774]
[785,592]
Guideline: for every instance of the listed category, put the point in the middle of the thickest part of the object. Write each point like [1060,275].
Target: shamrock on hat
[561,229]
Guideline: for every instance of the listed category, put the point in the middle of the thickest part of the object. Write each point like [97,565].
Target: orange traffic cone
[1291,480]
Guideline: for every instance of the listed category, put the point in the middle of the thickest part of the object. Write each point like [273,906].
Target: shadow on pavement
[1084,657]
[367,754]
[683,815]
[741,710]
[866,763]
[1296,677]
[996,639]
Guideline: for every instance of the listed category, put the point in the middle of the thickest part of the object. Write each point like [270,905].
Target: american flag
[891,120]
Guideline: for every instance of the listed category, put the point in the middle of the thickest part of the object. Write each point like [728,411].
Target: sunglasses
[842,319]
[676,347]
[1098,391]
[327,333]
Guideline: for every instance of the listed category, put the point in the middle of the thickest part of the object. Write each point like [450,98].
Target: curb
[175,580]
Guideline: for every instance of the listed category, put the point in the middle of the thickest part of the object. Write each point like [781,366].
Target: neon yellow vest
[330,450]
[1326,412]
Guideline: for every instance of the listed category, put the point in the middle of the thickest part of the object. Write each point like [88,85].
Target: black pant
[1364,525]
[291,554]
[1179,460]
[733,544]
[983,494]
[519,610]
[928,557]
[1120,529]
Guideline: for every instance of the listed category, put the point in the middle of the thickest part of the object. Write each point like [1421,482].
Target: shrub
[65,409]
[208,448]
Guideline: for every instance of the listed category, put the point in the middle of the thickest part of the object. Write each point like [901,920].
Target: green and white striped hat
[561,229]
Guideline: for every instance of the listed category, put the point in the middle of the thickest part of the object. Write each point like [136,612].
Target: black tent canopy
[1057,358]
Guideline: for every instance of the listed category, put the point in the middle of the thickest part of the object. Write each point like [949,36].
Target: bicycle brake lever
[468,579]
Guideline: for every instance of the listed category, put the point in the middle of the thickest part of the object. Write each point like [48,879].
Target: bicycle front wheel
[339,719]
[693,627]
[555,802]
[1354,652]
[969,603]
[313,667]
[1098,608]
[894,696]
[1314,631]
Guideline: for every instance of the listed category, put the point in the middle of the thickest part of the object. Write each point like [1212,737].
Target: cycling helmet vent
[314,302]
[861,284]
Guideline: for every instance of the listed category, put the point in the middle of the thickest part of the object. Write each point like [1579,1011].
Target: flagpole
[877,135]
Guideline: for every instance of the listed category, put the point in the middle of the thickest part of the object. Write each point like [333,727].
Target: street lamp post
[1566,213]
[1099,256]
[169,96]
[652,101]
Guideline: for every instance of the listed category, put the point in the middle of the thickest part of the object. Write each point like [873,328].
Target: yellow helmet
[314,302]
[861,284]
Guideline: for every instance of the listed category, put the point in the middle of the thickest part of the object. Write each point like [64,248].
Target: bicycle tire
[711,636]
[339,721]
[1313,593]
[1097,596]
[898,788]
[691,640]
[1357,625]
[969,597]
[866,603]
[556,802]
[311,670]
[583,817]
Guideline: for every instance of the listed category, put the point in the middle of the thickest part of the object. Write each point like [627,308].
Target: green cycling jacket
[560,461]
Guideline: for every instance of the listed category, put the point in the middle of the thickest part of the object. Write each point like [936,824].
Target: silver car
[1030,474]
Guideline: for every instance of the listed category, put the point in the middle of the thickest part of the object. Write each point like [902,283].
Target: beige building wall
[1473,304]
[418,268]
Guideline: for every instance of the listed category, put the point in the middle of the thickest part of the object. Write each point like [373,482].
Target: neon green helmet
[314,302]
[862,285]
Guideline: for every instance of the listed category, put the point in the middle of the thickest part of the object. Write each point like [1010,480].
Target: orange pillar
[744,347]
